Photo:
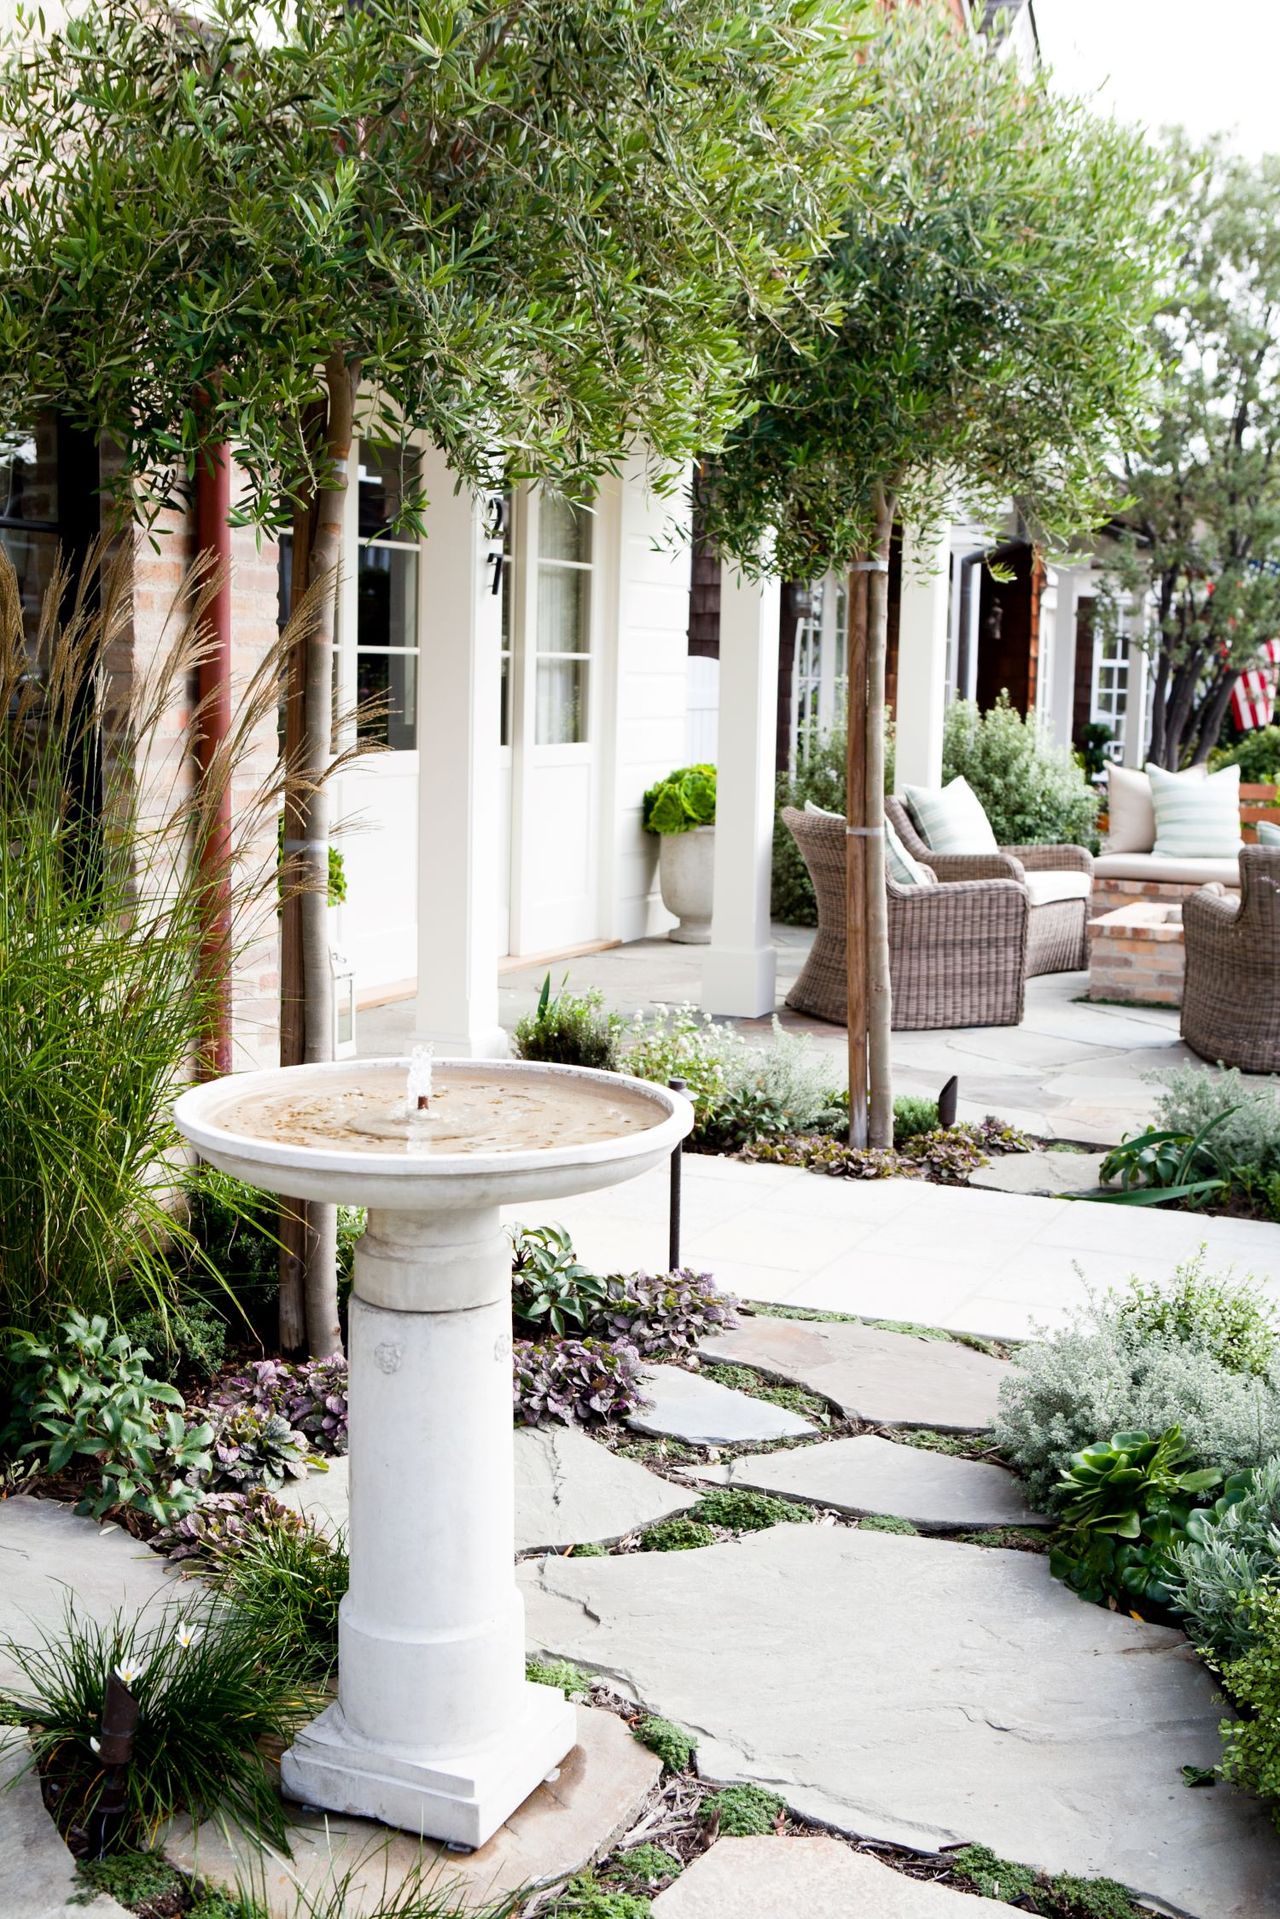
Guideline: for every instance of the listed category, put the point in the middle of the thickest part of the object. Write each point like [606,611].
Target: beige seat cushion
[1131,814]
[1155,866]
[1048,887]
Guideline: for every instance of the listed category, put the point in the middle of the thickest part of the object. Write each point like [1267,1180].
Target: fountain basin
[624,1126]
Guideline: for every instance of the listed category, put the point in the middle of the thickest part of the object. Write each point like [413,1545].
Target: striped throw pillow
[950,818]
[1268,833]
[1196,819]
[904,868]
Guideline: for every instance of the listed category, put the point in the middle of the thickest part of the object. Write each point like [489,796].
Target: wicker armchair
[957,953]
[1231,995]
[1057,941]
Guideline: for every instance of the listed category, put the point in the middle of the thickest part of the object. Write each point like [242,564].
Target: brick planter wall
[1136,953]
[1110,895]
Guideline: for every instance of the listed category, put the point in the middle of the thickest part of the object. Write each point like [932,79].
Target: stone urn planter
[686,874]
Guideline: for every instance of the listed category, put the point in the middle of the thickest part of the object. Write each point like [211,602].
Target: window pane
[387,474]
[562,702]
[564,530]
[29,474]
[387,593]
[564,611]
[392,680]
[33,556]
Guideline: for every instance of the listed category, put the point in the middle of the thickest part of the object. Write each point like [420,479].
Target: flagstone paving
[702,1412]
[569,1491]
[927,1693]
[591,1799]
[812,1878]
[48,1554]
[884,1378]
[1048,1174]
[997,1264]
[37,1873]
[870,1475]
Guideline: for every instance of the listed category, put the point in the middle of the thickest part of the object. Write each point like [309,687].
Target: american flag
[1253,697]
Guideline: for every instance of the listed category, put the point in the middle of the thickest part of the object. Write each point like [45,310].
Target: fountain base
[460,1798]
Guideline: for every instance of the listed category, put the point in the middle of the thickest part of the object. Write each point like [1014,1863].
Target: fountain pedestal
[435,1728]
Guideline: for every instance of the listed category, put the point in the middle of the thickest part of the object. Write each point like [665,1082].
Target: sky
[1212,66]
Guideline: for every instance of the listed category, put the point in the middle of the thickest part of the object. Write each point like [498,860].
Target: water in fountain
[472,1110]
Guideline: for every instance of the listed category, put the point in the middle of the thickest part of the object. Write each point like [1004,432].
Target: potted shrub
[681,810]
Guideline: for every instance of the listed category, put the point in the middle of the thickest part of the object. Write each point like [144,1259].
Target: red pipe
[213,544]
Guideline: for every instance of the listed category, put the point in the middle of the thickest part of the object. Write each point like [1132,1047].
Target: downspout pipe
[213,690]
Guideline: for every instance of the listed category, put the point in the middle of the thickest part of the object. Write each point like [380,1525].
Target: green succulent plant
[681,801]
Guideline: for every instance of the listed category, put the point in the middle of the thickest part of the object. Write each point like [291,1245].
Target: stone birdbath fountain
[435,1727]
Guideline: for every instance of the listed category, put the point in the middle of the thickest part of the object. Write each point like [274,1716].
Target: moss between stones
[742,1812]
[587,1897]
[1020,1539]
[740,1509]
[134,1879]
[955,1445]
[672,1744]
[557,1672]
[1062,1897]
[886,1523]
[644,1868]
[678,1535]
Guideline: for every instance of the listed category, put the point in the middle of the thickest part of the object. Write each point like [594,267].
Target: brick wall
[159,567]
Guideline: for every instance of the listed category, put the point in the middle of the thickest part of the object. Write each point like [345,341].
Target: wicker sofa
[1231,996]
[957,952]
[1058,879]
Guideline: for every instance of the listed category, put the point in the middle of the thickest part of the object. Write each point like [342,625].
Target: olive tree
[528,233]
[1194,576]
[993,276]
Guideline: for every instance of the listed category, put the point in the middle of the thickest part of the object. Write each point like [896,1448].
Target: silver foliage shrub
[1233,1552]
[1107,1372]
[1191,1096]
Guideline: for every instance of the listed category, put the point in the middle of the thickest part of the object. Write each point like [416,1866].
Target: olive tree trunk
[309,1230]
[879,991]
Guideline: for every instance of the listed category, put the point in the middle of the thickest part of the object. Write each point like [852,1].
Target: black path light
[677,1158]
[120,1713]
[948,1099]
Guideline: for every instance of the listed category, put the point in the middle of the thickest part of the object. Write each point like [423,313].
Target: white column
[740,969]
[1135,707]
[923,617]
[435,1727]
[1062,690]
[459,684]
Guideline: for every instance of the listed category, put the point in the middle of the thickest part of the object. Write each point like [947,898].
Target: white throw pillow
[1268,833]
[1131,817]
[904,868]
[950,818]
[1196,817]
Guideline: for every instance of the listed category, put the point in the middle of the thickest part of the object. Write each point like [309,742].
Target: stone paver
[997,1264]
[870,1475]
[1045,1173]
[48,1553]
[704,1413]
[569,1491]
[930,1694]
[888,1379]
[812,1878]
[37,1873]
[592,1799]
